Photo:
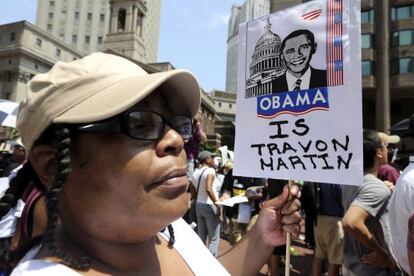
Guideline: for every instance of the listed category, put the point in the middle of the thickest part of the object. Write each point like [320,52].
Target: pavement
[301,261]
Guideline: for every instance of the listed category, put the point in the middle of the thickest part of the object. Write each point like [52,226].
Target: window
[402,38]
[230,105]
[219,104]
[51,15]
[76,15]
[12,36]
[52,3]
[366,41]
[87,39]
[367,68]
[402,12]
[89,16]
[102,17]
[38,42]
[58,52]
[9,76]
[402,66]
[367,16]
[49,27]
[121,20]
[74,39]
[100,40]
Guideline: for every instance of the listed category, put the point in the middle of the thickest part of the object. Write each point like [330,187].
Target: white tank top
[187,244]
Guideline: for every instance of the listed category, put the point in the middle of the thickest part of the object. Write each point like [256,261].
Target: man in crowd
[387,171]
[297,51]
[329,234]
[368,245]
[401,207]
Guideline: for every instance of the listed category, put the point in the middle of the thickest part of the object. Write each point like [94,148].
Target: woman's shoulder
[42,267]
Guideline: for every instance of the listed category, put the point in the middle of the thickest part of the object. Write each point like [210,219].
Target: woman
[207,191]
[106,141]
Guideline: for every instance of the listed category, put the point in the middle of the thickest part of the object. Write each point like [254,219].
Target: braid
[16,188]
[15,191]
[5,255]
[171,241]
[62,142]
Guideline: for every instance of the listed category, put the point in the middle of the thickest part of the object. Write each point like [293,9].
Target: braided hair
[17,186]
[60,137]
[62,143]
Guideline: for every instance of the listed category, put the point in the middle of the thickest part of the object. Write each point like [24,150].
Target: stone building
[126,25]
[225,107]
[85,24]
[26,50]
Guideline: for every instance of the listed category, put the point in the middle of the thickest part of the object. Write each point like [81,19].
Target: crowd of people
[110,159]
[357,229]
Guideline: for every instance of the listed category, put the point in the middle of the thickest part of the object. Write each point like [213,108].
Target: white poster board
[309,129]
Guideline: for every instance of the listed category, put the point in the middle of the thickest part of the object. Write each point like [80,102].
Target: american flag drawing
[334,43]
[312,14]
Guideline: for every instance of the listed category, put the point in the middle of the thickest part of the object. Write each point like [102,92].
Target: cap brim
[179,87]
[393,139]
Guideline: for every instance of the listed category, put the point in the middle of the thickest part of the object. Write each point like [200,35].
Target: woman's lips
[172,184]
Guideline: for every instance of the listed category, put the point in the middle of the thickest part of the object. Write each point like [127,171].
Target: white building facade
[84,24]
[249,10]
[25,51]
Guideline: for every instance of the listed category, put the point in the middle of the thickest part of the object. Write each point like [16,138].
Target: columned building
[81,24]
[26,50]
[126,25]
[85,24]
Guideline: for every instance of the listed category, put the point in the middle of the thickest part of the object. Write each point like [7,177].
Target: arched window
[121,20]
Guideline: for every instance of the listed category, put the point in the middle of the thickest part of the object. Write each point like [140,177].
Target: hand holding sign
[279,216]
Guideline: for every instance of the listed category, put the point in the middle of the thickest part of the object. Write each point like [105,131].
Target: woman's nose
[171,143]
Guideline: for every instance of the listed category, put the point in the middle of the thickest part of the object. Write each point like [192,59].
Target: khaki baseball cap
[390,139]
[97,87]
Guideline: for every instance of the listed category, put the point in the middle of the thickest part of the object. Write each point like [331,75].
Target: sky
[193,34]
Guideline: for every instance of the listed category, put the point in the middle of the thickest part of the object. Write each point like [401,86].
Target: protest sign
[299,94]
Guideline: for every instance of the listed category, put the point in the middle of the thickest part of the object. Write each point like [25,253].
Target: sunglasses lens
[182,125]
[144,125]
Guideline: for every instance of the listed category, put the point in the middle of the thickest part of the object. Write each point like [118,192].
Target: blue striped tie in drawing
[297,85]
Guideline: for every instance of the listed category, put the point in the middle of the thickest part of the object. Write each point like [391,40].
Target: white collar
[305,78]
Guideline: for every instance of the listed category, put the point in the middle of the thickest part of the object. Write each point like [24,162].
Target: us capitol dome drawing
[266,64]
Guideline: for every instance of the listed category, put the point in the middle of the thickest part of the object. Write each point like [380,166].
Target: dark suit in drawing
[317,79]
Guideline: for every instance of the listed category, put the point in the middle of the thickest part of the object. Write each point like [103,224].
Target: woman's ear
[42,158]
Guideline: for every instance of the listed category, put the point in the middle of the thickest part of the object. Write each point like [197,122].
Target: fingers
[295,190]
[293,229]
[278,201]
[290,207]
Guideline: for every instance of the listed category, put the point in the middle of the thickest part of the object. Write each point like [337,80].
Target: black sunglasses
[141,125]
